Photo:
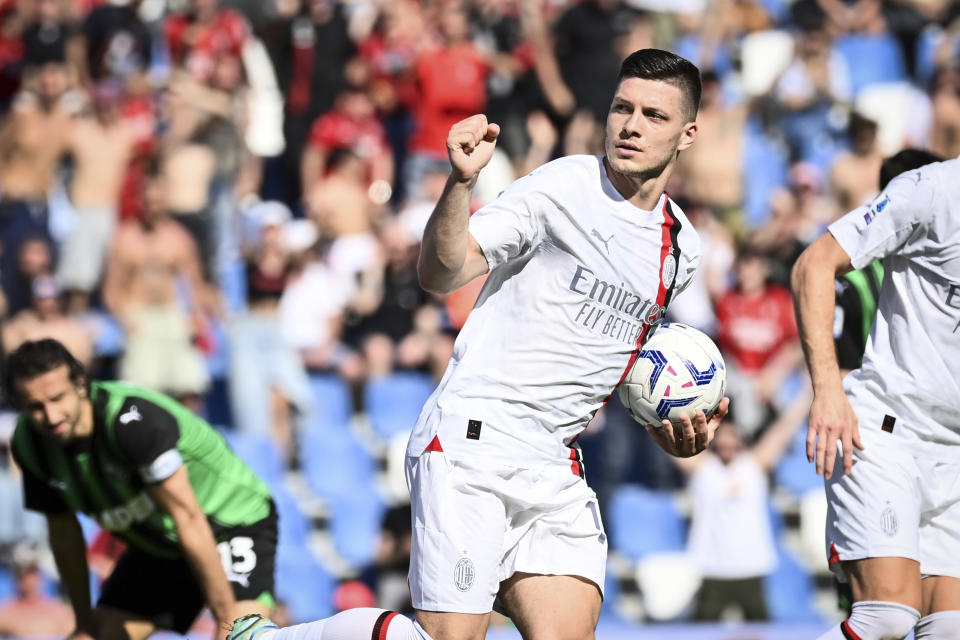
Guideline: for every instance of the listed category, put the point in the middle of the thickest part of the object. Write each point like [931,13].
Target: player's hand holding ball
[470,145]
[675,388]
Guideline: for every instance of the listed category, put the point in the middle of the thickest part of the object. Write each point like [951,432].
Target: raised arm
[449,256]
[831,416]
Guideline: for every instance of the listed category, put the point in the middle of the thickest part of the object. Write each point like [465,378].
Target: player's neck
[642,192]
[84,428]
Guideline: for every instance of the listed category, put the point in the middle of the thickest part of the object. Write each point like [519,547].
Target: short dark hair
[657,64]
[35,358]
[905,160]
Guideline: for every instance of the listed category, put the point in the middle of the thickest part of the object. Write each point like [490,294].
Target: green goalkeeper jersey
[139,438]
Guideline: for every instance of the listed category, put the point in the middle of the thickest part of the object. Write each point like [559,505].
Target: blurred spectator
[696,306]
[17,525]
[201,34]
[33,259]
[815,81]
[189,163]
[945,94]
[345,213]
[101,145]
[268,383]
[758,338]
[451,81]
[586,37]
[31,613]
[393,321]
[11,54]
[51,36]
[798,213]
[393,559]
[731,537]
[712,170]
[853,176]
[310,51]
[32,140]
[46,319]
[153,285]
[119,46]
[312,323]
[352,125]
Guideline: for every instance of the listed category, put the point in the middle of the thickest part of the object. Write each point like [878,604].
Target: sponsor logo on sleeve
[876,208]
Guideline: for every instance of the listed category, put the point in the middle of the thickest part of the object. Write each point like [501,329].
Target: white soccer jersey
[578,277]
[911,366]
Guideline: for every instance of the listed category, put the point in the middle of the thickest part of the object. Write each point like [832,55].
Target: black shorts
[166,591]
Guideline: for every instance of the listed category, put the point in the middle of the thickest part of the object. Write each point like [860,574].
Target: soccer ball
[679,371]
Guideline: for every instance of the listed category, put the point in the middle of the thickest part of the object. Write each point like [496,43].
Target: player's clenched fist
[470,145]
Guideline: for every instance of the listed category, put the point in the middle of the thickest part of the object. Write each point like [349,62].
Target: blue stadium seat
[293,523]
[644,521]
[393,402]
[872,58]
[304,584]
[335,465]
[332,406]
[790,591]
[355,526]
[259,452]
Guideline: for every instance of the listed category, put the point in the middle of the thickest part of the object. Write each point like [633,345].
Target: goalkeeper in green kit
[201,528]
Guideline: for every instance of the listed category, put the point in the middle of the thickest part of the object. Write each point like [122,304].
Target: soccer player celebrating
[893,525]
[584,254]
[201,527]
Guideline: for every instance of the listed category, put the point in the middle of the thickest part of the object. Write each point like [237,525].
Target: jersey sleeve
[510,226]
[37,495]
[147,435]
[887,224]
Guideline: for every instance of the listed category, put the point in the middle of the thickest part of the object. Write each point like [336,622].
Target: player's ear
[688,135]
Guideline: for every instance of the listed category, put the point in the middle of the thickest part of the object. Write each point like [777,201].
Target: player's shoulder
[127,403]
[937,176]
[564,175]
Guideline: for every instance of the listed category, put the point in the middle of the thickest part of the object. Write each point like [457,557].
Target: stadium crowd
[223,200]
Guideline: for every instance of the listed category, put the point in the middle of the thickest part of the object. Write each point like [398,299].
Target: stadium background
[313,132]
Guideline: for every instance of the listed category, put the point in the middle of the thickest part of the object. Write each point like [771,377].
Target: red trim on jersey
[434,445]
[848,633]
[834,556]
[575,466]
[382,624]
[666,246]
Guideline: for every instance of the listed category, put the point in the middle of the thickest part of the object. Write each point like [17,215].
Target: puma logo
[596,234]
[132,414]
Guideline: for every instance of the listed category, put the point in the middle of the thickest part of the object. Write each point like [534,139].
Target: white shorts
[895,503]
[476,523]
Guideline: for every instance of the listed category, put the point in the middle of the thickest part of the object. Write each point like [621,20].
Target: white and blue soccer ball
[679,371]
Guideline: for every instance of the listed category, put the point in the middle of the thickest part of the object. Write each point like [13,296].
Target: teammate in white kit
[584,256]
[893,524]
